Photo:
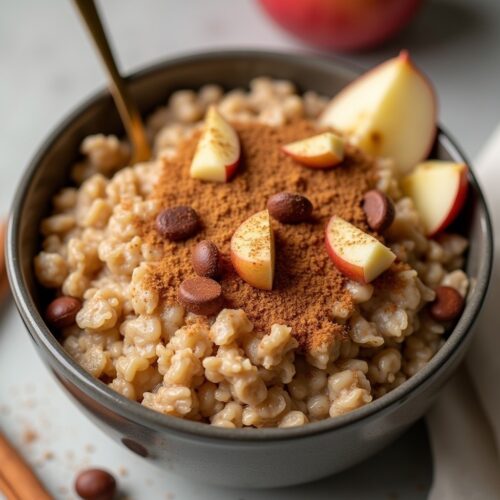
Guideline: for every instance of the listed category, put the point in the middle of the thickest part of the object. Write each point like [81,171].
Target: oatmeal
[156,299]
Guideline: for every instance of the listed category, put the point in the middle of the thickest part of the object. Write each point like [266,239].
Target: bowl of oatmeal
[270,299]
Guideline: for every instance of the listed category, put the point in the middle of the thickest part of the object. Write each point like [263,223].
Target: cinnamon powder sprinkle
[306,282]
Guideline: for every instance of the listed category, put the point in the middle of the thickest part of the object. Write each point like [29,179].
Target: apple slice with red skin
[438,190]
[389,111]
[320,151]
[252,251]
[356,254]
[218,151]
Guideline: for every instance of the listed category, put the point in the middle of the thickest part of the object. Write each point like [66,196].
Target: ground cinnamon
[306,281]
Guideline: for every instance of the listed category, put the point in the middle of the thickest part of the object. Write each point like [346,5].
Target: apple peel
[218,151]
[390,111]
[356,254]
[438,190]
[252,251]
[320,151]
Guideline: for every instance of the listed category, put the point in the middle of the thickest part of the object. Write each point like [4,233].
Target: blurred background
[47,67]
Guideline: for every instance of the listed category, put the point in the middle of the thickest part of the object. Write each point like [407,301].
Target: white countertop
[47,66]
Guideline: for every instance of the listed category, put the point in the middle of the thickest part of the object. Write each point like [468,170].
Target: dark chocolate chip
[447,305]
[379,210]
[178,223]
[289,208]
[95,484]
[62,311]
[205,259]
[200,295]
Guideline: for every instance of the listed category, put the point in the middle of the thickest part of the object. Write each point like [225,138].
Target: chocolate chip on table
[447,305]
[379,210]
[95,484]
[178,223]
[200,295]
[289,208]
[205,259]
[62,311]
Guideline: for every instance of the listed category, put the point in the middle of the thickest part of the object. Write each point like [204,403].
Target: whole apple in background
[343,25]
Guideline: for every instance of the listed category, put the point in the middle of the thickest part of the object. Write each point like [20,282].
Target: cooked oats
[220,370]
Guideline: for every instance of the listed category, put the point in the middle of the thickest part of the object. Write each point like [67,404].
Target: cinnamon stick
[17,480]
[6,489]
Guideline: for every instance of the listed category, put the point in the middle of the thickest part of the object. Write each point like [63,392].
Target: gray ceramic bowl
[238,457]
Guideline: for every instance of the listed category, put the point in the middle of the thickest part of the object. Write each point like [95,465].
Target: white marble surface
[47,66]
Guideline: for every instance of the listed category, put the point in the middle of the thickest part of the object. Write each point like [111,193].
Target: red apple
[343,25]
[252,251]
[389,111]
[438,190]
[320,151]
[358,255]
[218,151]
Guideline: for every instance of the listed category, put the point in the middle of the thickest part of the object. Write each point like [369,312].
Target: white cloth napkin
[464,424]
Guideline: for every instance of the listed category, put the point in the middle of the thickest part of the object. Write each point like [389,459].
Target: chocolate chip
[289,208]
[62,311]
[379,210]
[447,305]
[95,484]
[205,259]
[200,295]
[178,223]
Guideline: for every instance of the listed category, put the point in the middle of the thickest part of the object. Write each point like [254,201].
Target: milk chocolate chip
[447,305]
[205,259]
[379,210]
[178,223]
[95,484]
[289,208]
[200,295]
[62,311]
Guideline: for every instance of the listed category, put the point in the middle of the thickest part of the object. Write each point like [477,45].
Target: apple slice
[252,251]
[320,151]
[390,111]
[218,152]
[355,253]
[438,190]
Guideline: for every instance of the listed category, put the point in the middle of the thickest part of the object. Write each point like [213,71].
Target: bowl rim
[131,410]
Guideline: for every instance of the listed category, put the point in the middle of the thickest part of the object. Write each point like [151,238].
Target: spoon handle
[124,103]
